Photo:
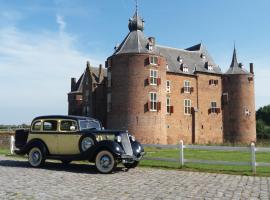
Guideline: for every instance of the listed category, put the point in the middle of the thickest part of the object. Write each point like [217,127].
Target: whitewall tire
[105,162]
[36,157]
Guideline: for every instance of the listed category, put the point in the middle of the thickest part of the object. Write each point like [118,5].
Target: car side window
[68,125]
[36,126]
[50,125]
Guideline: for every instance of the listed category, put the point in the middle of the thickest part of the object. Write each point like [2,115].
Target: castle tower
[136,86]
[239,103]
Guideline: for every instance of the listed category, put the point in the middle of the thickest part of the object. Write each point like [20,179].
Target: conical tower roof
[235,67]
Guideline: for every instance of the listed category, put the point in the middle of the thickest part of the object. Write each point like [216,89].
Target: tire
[86,143]
[131,165]
[36,156]
[105,162]
[65,162]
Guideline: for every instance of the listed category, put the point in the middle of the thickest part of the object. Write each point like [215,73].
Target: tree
[263,122]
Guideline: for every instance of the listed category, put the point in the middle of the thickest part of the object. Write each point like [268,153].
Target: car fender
[137,148]
[36,142]
[109,145]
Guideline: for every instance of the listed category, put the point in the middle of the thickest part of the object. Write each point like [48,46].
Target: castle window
[109,102]
[185,69]
[187,86]
[153,77]
[153,101]
[167,66]
[213,107]
[210,68]
[153,60]
[213,82]
[109,84]
[150,47]
[187,106]
[168,86]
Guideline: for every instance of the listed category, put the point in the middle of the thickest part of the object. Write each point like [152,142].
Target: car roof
[64,117]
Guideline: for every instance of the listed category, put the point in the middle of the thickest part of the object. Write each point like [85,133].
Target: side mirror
[72,128]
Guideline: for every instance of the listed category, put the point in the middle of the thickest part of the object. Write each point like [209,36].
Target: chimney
[73,84]
[100,73]
[251,68]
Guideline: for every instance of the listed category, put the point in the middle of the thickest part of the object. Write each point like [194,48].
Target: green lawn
[202,155]
[207,155]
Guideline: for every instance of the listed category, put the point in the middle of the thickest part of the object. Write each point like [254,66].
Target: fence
[252,149]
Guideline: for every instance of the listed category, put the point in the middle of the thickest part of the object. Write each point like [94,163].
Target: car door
[45,130]
[68,138]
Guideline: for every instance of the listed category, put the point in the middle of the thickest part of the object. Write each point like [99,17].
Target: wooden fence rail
[251,149]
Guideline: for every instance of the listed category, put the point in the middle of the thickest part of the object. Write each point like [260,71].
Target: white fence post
[12,144]
[181,153]
[253,157]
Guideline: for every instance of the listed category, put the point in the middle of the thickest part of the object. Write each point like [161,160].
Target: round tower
[136,86]
[239,103]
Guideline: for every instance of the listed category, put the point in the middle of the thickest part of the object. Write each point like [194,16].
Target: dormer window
[210,68]
[150,47]
[180,59]
[185,69]
[203,56]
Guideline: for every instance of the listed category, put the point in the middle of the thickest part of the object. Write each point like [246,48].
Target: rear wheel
[105,162]
[131,165]
[36,157]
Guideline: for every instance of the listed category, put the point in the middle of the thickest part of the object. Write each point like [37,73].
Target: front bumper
[129,159]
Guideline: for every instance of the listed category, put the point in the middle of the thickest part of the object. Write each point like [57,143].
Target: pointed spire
[234,58]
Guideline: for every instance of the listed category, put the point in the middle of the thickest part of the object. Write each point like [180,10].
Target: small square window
[154,60]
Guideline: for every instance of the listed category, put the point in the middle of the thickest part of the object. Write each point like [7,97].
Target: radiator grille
[126,144]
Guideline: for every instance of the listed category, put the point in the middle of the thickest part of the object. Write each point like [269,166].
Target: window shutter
[158,106]
[147,81]
[171,109]
[148,105]
[158,81]
[182,90]
[149,60]
[191,89]
[209,111]
[216,82]
[209,82]
[217,110]
[250,78]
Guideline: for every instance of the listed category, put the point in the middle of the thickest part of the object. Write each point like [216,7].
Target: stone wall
[5,140]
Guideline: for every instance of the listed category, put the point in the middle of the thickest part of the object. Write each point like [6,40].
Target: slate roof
[94,71]
[235,67]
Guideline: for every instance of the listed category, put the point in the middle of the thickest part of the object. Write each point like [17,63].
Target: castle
[164,95]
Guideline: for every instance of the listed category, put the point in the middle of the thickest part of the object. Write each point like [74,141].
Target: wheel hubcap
[35,157]
[105,161]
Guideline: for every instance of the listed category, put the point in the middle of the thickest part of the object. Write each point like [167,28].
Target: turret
[135,99]
[239,103]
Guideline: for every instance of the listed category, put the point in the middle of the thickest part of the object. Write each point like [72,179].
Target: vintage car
[70,138]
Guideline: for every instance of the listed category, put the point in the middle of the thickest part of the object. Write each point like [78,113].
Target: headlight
[132,138]
[118,138]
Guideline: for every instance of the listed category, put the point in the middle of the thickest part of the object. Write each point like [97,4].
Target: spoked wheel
[105,162]
[36,157]
[131,165]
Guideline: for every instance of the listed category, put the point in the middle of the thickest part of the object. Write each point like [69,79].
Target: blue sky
[45,43]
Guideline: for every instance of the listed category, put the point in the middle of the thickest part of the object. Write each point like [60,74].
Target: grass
[208,155]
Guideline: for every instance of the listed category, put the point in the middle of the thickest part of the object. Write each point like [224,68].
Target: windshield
[89,124]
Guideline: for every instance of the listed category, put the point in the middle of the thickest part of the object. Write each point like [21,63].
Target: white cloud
[35,72]
[61,22]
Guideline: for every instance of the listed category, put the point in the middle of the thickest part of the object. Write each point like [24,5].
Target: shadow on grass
[86,168]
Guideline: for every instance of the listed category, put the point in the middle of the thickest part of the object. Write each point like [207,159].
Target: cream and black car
[70,138]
